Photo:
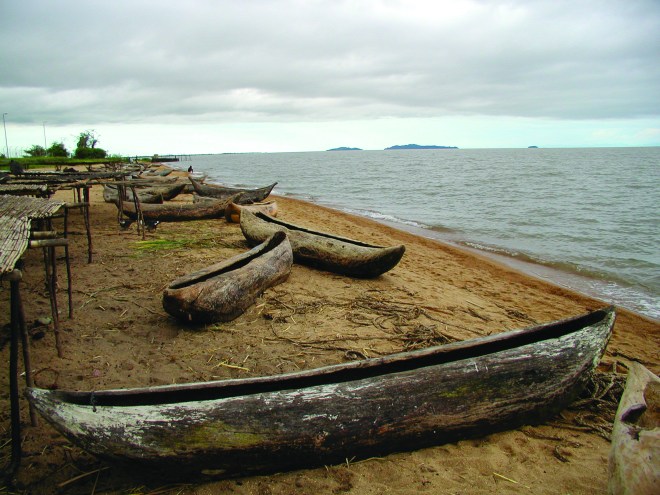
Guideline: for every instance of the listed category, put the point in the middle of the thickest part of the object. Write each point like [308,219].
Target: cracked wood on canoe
[323,250]
[357,409]
[223,291]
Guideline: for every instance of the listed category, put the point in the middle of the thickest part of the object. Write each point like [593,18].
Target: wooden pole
[138,210]
[88,225]
[25,343]
[15,413]
[68,262]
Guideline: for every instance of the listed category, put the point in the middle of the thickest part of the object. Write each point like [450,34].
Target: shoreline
[120,337]
[589,286]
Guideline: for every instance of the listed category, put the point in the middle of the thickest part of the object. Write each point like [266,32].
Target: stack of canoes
[352,410]
[323,250]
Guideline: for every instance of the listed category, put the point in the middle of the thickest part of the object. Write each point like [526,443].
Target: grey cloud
[303,61]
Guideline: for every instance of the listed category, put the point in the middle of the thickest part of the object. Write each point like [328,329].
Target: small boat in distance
[223,291]
[352,410]
[218,191]
[322,250]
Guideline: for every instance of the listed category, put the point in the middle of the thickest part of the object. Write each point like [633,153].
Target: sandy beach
[120,336]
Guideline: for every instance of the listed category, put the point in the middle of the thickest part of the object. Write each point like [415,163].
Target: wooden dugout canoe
[223,291]
[351,410]
[233,210]
[147,195]
[218,191]
[178,212]
[323,250]
[634,461]
[111,195]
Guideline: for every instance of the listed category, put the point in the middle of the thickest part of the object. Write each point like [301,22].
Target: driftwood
[178,212]
[356,409]
[322,250]
[223,291]
[635,453]
[233,211]
[218,191]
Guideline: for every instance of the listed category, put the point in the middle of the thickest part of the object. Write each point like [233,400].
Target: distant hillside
[344,148]
[420,147]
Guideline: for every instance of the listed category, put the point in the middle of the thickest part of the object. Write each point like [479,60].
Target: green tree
[57,149]
[36,150]
[86,147]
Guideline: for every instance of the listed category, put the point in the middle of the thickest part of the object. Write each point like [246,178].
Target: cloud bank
[204,62]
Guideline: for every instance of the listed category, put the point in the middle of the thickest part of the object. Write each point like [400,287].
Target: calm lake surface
[587,219]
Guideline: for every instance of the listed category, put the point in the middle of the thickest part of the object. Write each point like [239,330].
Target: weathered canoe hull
[111,195]
[634,461]
[148,195]
[346,411]
[233,211]
[178,212]
[218,191]
[322,250]
[223,291]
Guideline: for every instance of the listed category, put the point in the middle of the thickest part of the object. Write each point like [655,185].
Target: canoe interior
[274,241]
[291,226]
[355,370]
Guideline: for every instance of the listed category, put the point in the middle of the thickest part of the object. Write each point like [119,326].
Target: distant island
[532,146]
[420,147]
[344,148]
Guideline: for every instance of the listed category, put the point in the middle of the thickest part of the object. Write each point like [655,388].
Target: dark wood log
[347,411]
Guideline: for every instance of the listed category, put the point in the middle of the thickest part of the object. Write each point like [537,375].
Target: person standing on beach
[190,170]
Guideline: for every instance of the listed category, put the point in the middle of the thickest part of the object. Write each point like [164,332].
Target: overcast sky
[211,76]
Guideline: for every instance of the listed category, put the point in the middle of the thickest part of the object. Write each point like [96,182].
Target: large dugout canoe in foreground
[224,290]
[178,212]
[634,461]
[323,250]
[347,411]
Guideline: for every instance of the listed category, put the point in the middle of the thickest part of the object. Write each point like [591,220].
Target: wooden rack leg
[25,343]
[88,226]
[13,378]
[53,300]
[68,262]
[138,211]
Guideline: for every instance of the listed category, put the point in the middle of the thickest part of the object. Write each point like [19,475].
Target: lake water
[587,219]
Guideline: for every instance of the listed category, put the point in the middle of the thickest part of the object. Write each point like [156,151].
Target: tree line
[85,148]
